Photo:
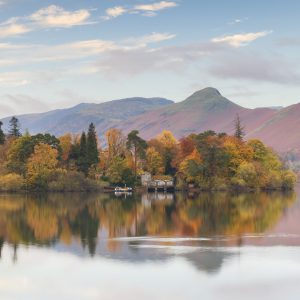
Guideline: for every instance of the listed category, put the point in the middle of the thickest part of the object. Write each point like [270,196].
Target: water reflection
[96,222]
[160,246]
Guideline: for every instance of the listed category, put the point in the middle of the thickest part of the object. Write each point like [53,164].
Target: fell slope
[104,115]
[206,109]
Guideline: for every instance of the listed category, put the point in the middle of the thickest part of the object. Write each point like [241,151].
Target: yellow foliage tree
[115,143]
[154,161]
[41,164]
[66,144]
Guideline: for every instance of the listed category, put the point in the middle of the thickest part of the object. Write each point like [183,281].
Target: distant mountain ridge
[204,110]
[76,119]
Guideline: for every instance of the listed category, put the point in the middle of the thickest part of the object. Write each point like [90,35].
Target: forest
[206,161]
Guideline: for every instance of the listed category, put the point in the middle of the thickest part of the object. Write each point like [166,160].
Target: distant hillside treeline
[208,160]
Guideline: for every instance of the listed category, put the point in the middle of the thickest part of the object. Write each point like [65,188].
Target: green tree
[83,165]
[14,127]
[2,135]
[137,146]
[239,129]
[92,146]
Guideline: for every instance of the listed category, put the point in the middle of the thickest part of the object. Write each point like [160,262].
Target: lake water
[156,246]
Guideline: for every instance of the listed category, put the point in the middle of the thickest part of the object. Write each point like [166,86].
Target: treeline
[209,160]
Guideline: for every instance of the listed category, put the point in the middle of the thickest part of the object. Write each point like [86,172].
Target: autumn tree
[136,145]
[168,146]
[119,173]
[41,164]
[65,142]
[23,147]
[154,161]
[14,127]
[116,143]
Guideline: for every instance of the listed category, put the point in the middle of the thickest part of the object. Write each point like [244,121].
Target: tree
[169,150]
[137,146]
[82,162]
[41,164]
[23,147]
[115,170]
[154,161]
[239,129]
[2,135]
[66,145]
[18,153]
[115,143]
[14,127]
[92,146]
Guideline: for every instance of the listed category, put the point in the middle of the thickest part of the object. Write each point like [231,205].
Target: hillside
[75,119]
[204,110]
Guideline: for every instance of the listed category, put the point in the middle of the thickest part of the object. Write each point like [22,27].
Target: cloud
[147,39]
[114,12]
[22,54]
[254,67]
[147,10]
[155,6]
[49,17]
[55,16]
[240,40]
[13,30]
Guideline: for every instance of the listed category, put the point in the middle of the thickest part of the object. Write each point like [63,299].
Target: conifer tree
[83,165]
[92,146]
[239,129]
[137,146]
[2,135]
[14,127]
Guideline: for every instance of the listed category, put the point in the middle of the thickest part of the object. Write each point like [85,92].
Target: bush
[289,179]
[73,182]
[246,176]
[11,182]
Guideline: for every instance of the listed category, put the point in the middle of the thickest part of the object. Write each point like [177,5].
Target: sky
[56,54]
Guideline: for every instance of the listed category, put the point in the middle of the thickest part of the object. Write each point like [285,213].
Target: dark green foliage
[137,146]
[2,135]
[92,146]
[215,159]
[239,129]
[14,127]
[82,162]
[128,177]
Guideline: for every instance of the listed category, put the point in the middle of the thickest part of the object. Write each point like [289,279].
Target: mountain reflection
[130,228]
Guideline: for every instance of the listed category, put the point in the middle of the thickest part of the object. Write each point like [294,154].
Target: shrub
[289,179]
[11,182]
[73,182]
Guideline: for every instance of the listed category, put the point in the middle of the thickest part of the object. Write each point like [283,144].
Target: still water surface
[99,246]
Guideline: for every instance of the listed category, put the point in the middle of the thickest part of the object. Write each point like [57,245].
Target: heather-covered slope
[204,110]
[282,131]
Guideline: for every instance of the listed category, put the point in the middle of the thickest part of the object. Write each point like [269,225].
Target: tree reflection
[67,219]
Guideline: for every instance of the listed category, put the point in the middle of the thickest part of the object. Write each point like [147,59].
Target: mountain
[76,119]
[282,130]
[204,110]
